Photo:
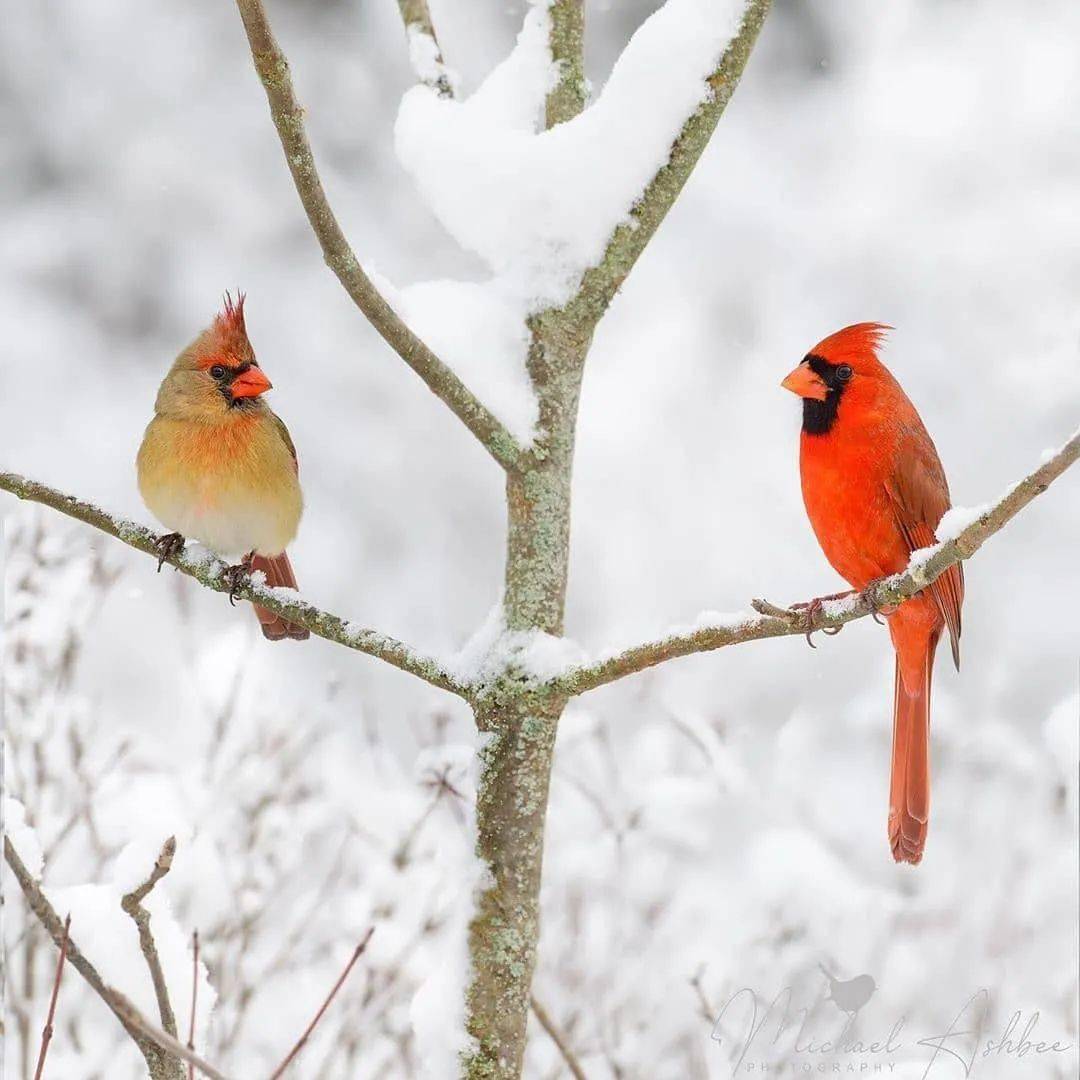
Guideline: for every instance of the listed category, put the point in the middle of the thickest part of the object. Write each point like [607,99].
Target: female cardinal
[217,465]
[875,491]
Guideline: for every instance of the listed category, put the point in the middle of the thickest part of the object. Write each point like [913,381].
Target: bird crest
[852,342]
[228,334]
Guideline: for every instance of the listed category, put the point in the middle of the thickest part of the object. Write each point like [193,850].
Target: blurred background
[716,823]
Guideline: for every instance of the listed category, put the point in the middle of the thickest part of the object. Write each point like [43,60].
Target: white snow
[956,520]
[22,835]
[540,206]
[493,648]
[109,937]
[480,332]
[425,59]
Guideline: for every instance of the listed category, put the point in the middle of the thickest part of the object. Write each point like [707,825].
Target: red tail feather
[909,790]
[279,572]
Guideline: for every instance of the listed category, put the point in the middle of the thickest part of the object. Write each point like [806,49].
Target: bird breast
[233,487]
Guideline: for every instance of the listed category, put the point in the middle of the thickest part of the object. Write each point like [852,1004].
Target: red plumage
[875,490]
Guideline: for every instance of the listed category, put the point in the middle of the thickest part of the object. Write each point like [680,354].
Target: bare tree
[518,708]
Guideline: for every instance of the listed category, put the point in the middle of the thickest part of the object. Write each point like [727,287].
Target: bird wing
[283,431]
[920,496]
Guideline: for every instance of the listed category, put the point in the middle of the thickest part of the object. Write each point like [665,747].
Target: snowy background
[716,823]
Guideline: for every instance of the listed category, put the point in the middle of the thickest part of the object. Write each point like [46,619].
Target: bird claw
[809,610]
[876,609]
[237,577]
[168,546]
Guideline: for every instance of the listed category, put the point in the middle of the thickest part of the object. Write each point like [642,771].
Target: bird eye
[218,371]
[844,372]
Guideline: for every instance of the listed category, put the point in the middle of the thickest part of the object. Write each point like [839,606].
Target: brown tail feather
[909,790]
[279,572]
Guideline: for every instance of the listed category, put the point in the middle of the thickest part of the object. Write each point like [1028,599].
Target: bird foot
[168,546]
[237,577]
[811,609]
[876,609]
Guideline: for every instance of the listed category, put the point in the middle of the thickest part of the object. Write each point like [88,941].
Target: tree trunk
[521,722]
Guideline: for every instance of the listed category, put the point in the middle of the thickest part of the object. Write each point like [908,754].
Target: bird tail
[279,572]
[909,790]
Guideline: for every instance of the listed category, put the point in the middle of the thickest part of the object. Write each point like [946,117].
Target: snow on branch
[425,55]
[288,116]
[161,1064]
[209,571]
[961,533]
[561,212]
[632,235]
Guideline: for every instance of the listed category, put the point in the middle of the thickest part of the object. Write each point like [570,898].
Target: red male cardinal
[875,491]
[217,465]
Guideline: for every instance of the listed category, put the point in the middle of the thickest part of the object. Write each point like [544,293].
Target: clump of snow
[540,206]
[481,334]
[493,649]
[22,835]
[111,939]
[956,520]
[919,558]
[425,58]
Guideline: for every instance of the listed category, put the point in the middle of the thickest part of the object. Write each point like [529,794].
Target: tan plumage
[217,465]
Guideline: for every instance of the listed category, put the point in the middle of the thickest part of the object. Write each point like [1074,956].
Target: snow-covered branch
[209,571]
[161,1064]
[632,235]
[962,533]
[425,54]
[288,117]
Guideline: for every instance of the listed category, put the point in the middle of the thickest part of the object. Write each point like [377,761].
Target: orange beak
[806,383]
[250,383]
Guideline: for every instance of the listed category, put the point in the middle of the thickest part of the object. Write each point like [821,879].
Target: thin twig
[162,1066]
[558,1038]
[132,904]
[47,1030]
[288,116]
[208,571]
[769,621]
[194,999]
[123,1007]
[290,1057]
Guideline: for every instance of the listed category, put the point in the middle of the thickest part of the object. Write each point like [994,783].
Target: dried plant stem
[47,1030]
[194,999]
[300,1043]
[558,1038]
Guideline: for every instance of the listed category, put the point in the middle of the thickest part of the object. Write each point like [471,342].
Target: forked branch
[161,1064]
[768,621]
[133,906]
[288,117]
[208,571]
